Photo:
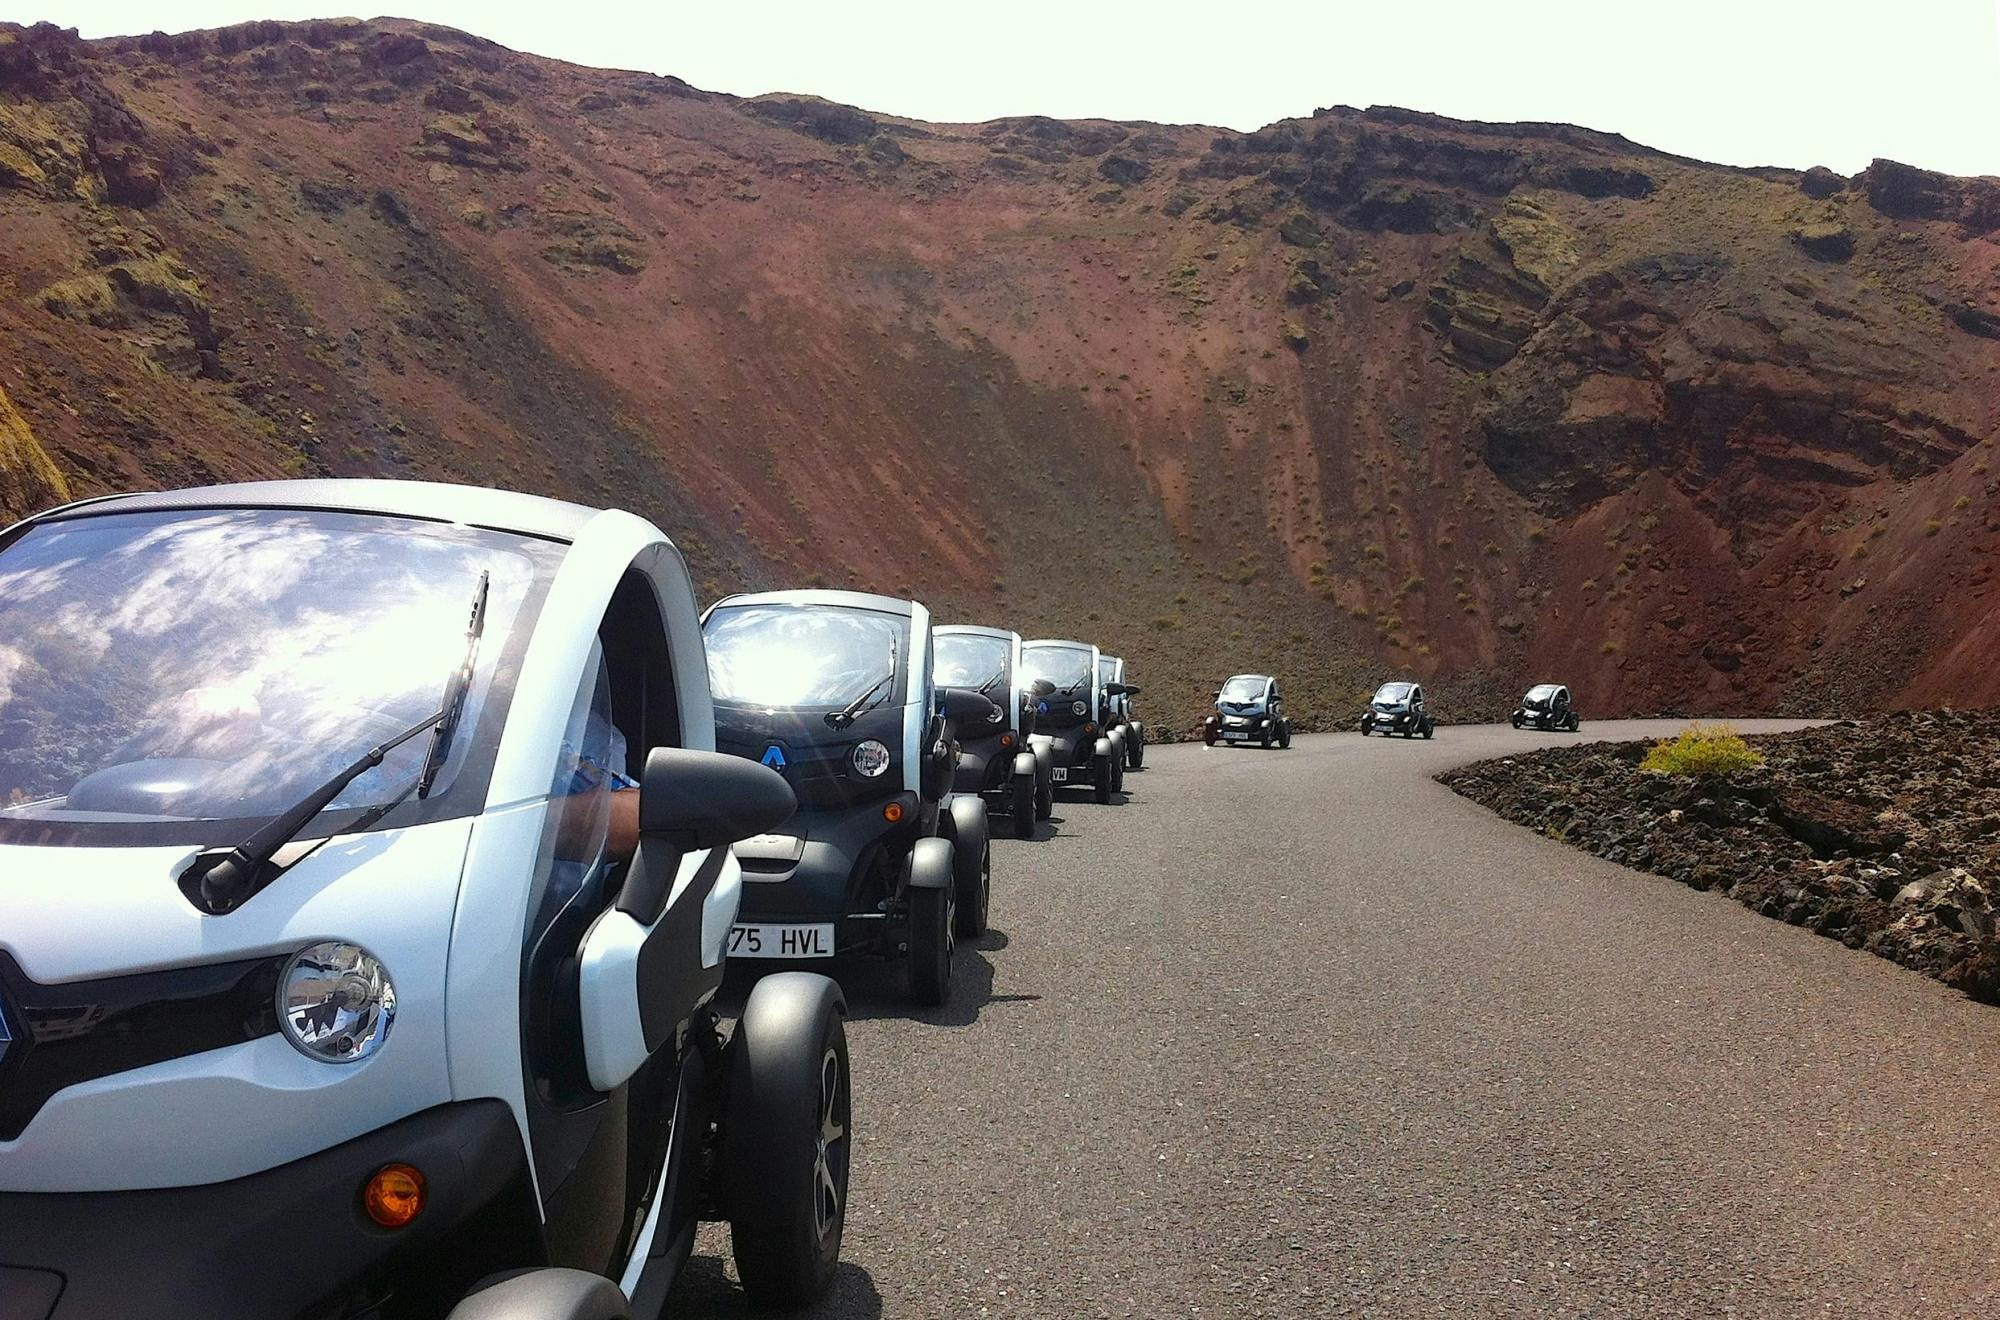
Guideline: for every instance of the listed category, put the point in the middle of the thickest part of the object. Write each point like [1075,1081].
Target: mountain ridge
[1359,392]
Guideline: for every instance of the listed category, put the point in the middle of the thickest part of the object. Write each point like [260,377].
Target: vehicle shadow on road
[707,1288]
[1086,799]
[880,990]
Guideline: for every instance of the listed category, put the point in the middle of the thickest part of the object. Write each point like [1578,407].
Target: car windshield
[969,660]
[1392,694]
[1244,687]
[1068,667]
[159,670]
[1107,670]
[1542,692]
[806,657]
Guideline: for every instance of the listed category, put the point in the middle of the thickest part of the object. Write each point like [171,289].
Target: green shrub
[1702,749]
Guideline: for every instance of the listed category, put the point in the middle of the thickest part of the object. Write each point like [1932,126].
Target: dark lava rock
[1819,182]
[1826,242]
[1883,834]
[1124,169]
[1975,320]
[841,125]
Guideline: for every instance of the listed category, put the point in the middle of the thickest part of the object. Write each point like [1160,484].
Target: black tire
[1045,785]
[1101,777]
[1285,735]
[971,907]
[1574,722]
[787,1139]
[933,924]
[971,864]
[1264,738]
[1135,747]
[1515,718]
[1117,770]
[1024,805]
[1428,726]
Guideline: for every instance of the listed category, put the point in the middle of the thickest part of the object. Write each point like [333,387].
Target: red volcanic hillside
[1361,393]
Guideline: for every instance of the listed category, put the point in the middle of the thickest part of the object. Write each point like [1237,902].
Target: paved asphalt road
[1304,1033]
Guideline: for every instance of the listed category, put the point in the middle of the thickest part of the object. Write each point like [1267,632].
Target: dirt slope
[1364,392]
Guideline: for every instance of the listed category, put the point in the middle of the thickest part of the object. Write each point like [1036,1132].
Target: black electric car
[997,761]
[1547,706]
[1126,731]
[833,690]
[1068,720]
[1248,708]
[1397,708]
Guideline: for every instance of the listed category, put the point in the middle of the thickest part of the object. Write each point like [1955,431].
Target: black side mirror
[689,801]
[966,709]
[1119,689]
[1042,687]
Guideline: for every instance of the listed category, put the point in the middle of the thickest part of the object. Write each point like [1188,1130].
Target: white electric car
[325,990]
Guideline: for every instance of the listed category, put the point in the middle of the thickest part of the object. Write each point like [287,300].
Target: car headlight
[335,1002]
[870,759]
[1078,708]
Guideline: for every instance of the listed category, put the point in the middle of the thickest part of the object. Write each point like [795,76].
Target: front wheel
[1135,747]
[1516,717]
[929,885]
[974,900]
[932,944]
[1101,773]
[1285,736]
[1574,722]
[1428,726]
[786,1140]
[1023,802]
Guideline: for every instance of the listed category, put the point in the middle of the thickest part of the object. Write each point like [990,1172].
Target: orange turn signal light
[1006,740]
[1090,728]
[394,1196]
[892,812]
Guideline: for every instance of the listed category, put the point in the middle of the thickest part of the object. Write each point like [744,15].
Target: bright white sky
[1746,82]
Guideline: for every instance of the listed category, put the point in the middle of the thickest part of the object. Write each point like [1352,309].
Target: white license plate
[1236,737]
[1061,773]
[764,940]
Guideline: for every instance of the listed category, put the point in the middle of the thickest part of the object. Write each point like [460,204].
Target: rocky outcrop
[1908,193]
[1884,835]
[29,480]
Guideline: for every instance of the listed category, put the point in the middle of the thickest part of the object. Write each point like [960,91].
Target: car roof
[1261,678]
[1058,641]
[853,600]
[435,501]
[975,630]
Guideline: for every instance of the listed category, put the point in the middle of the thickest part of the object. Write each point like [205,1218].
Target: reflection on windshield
[1067,667]
[803,656]
[212,665]
[968,660]
[1393,691]
[1243,689]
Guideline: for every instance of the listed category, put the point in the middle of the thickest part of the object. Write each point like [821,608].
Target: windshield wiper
[840,719]
[456,689]
[998,674]
[222,884]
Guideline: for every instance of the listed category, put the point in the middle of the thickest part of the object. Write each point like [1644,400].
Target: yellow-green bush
[1702,749]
